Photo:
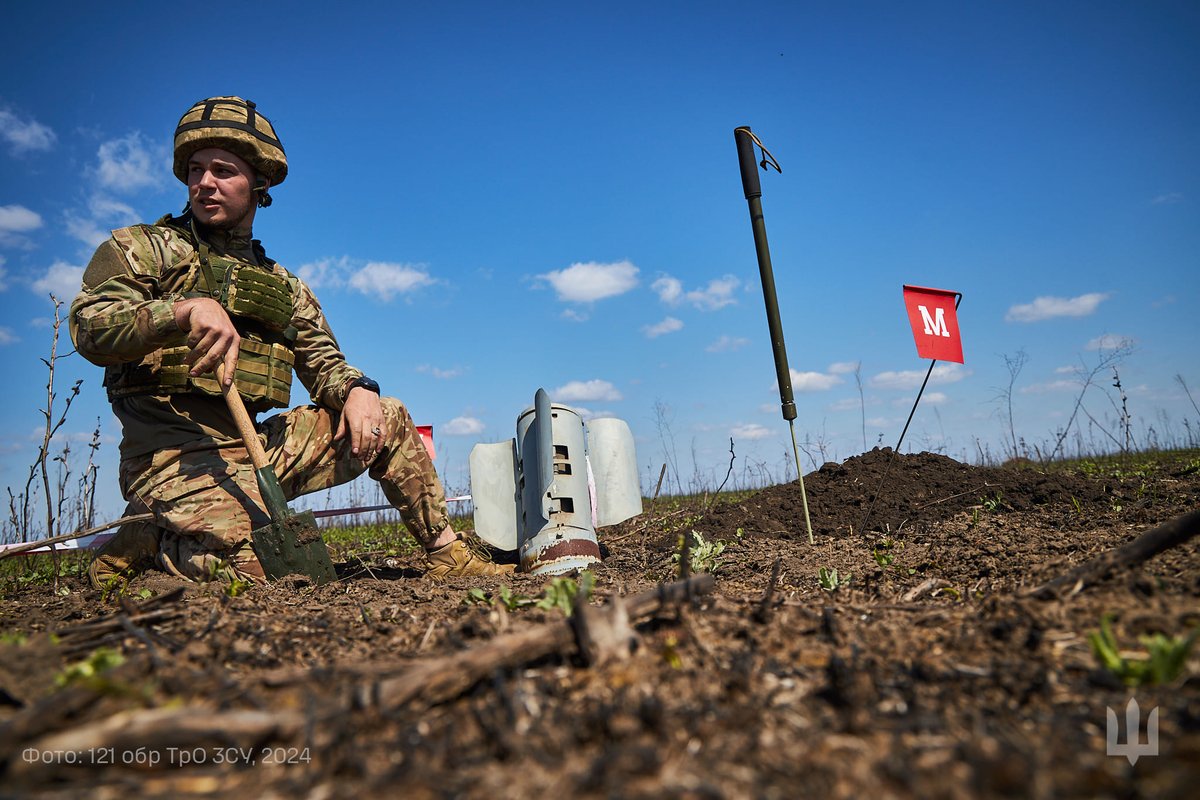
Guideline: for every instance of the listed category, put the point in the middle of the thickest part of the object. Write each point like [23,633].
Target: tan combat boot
[131,552]
[463,557]
[188,557]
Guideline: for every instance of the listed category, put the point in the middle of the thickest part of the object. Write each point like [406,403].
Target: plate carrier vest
[258,299]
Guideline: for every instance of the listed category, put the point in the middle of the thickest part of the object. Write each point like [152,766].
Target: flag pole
[746,141]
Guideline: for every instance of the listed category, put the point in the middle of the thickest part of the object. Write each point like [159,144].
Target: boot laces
[476,546]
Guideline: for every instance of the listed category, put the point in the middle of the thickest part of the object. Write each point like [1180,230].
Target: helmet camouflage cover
[232,124]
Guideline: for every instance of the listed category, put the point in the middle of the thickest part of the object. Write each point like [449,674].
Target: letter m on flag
[934,319]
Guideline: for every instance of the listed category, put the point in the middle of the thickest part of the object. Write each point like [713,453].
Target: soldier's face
[221,189]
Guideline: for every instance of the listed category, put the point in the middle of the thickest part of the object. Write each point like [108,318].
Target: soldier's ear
[261,185]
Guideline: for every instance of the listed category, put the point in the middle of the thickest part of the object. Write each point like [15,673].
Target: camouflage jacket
[125,313]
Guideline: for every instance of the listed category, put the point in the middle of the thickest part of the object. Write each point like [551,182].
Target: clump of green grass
[39,569]
[363,541]
[91,670]
[1164,660]
[884,553]
[830,581]
[703,556]
[559,594]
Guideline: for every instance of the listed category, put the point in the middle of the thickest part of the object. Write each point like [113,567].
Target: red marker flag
[932,314]
[426,434]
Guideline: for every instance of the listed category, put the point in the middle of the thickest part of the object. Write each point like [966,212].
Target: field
[925,666]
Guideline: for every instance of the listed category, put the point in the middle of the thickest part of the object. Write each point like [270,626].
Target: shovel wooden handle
[258,456]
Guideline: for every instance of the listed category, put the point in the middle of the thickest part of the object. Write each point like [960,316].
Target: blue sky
[491,198]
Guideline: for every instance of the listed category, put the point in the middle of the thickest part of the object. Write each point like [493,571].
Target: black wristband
[364,382]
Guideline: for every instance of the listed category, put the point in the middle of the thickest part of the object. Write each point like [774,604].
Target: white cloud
[727,344]
[929,399]
[717,294]
[325,272]
[591,281]
[63,280]
[668,325]
[24,135]
[128,164]
[911,379]
[812,381]
[843,367]
[751,431]
[668,289]
[440,374]
[86,230]
[1109,341]
[103,207]
[383,279]
[574,315]
[586,391]
[1044,308]
[103,214]
[7,336]
[15,221]
[18,219]
[1168,198]
[462,426]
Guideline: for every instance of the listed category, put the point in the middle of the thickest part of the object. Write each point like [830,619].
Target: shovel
[291,544]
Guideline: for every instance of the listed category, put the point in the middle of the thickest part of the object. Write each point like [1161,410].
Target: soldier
[162,305]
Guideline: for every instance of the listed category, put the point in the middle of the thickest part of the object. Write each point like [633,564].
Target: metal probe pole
[750,184]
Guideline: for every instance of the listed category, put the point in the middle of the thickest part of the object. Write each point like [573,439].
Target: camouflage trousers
[206,499]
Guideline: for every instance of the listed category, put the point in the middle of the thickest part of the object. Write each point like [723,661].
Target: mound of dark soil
[883,492]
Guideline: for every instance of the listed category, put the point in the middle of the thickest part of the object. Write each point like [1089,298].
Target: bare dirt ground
[930,673]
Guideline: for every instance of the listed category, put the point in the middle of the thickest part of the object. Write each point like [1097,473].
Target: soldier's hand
[211,336]
[361,417]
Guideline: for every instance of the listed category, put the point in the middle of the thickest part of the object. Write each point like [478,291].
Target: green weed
[884,555]
[670,653]
[1163,663]
[703,556]
[560,593]
[91,670]
[504,596]
[236,585]
[16,638]
[830,580]
[513,600]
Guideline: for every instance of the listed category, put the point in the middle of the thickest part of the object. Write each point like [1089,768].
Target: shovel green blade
[292,543]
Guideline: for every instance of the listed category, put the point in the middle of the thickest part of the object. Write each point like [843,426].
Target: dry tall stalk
[21,512]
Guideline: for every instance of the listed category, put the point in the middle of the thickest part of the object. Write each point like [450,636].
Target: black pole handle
[746,162]
[753,189]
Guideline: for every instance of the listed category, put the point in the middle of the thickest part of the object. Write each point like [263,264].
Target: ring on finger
[377,431]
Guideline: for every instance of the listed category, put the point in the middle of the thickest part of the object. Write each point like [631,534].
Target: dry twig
[1154,541]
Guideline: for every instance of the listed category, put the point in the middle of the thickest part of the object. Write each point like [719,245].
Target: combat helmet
[232,124]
